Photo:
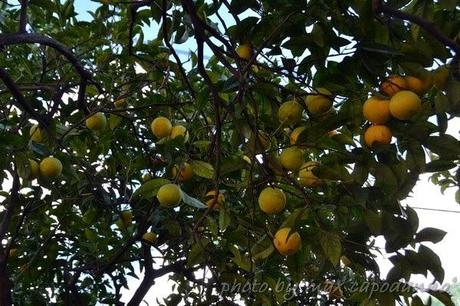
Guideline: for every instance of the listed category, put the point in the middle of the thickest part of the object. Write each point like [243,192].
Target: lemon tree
[223,143]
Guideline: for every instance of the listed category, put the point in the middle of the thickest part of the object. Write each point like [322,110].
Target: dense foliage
[73,229]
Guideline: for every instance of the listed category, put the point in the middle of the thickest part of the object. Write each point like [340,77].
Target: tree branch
[430,27]
[27,38]
[149,280]
[174,53]
[13,202]
[20,100]
[23,16]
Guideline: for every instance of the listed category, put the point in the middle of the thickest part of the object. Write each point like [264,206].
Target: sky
[424,196]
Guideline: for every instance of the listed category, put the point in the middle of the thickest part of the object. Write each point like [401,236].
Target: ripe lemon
[183,173]
[290,113]
[377,134]
[244,51]
[169,195]
[50,167]
[34,169]
[287,242]
[392,85]
[179,130]
[149,237]
[405,104]
[415,84]
[306,176]
[96,122]
[295,134]
[377,110]
[161,127]
[36,134]
[272,200]
[292,158]
[319,101]
[210,198]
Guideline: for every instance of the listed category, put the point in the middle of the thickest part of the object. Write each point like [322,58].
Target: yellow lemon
[244,51]
[306,176]
[295,134]
[286,241]
[96,122]
[392,85]
[210,198]
[292,158]
[272,200]
[169,195]
[34,169]
[179,130]
[184,172]
[376,110]
[415,84]
[161,127]
[319,101]
[290,113]
[36,134]
[50,167]
[405,104]
[377,134]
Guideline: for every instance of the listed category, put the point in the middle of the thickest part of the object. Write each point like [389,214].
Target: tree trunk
[5,286]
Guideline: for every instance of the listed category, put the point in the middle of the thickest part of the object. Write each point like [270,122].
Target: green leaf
[240,260]
[373,221]
[192,201]
[265,253]
[432,262]
[114,121]
[446,146]
[439,165]
[196,254]
[202,169]
[297,215]
[331,246]
[430,234]
[442,296]
[23,165]
[224,219]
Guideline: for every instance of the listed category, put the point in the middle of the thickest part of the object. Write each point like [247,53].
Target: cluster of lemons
[170,195]
[401,101]
[50,167]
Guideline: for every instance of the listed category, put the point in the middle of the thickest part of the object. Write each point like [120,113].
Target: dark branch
[26,38]
[23,16]
[20,100]
[430,27]
[13,203]
[149,280]
[132,20]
